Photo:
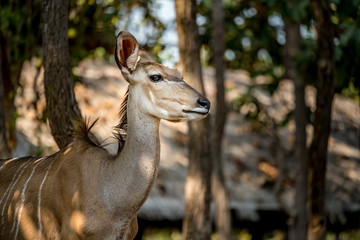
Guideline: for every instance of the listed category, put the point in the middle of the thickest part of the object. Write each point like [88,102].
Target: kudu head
[159,91]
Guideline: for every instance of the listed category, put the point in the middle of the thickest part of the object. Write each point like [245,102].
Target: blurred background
[269,89]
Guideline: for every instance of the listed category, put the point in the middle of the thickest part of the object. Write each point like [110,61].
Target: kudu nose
[204,103]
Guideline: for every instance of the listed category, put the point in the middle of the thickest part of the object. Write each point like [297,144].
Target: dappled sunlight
[194,187]
[354,175]
[251,168]
[67,151]
[343,149]
[75,198]
[50,223]
[282,142]
[77,221]
[28,227]
[269,170]
[248,151]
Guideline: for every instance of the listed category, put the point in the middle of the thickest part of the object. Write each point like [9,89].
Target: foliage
[161,234]
[91,31]
[347,235]
[93,25]
[347,20]
[252,43]
[347,43]
[255,36]
[250,107]
[20,36]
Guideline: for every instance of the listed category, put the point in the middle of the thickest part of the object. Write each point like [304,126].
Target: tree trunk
[9,82]
[61,104]
[298,227]
[223,214]
[4,148]
[197,222]
[322,121]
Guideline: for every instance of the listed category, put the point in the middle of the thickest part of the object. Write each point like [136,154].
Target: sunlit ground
[175,234]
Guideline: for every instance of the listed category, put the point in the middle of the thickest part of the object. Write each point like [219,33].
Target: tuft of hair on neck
[83,128]
[121,128]
[83,133]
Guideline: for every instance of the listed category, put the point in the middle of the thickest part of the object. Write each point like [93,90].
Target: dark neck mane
[83,129]
[120,129]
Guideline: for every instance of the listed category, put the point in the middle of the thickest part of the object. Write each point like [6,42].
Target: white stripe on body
[11,186]
[13,179]
[39,196]
[7,161]
[23,199]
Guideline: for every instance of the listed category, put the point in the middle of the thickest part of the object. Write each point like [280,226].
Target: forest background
[274,39]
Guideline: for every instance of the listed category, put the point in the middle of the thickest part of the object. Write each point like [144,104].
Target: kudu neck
[136,167]
[142,129]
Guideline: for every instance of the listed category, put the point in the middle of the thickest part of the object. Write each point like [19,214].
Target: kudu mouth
[197,112]
[202,107]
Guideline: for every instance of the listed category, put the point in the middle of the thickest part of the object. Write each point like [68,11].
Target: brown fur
[82,191]
[83,133]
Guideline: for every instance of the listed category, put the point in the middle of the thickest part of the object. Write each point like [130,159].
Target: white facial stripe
[152,98]
[164,112]
[154,73]
[177,82]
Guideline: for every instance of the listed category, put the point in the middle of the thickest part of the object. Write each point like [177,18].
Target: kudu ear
[126,53]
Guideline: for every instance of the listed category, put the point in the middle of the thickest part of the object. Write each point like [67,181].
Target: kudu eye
[155,78]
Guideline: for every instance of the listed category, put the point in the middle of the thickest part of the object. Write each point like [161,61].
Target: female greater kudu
[82,191]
